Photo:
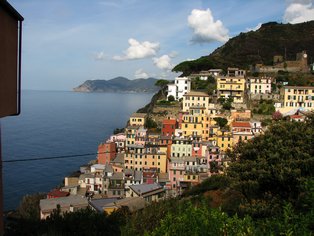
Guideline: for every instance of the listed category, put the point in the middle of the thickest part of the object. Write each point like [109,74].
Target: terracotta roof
[139,115]
[58,193]
[196,94]
[169,121]
[241,124]
[296,117]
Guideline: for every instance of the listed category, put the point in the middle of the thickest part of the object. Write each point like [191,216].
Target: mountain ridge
[258,46]
[119,84]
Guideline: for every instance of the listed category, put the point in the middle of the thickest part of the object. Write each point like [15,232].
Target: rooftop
[119,158]
[141,189]
[133,203]
[58,193]
[98,204]
[50,204]
[169,121]
[196,94]
[241,124]
[138,115]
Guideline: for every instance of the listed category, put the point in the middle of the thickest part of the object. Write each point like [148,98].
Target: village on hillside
[186,138]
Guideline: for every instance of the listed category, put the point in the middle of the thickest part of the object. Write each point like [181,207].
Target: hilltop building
[181,86]
[232,85]
[279,63]
[297,98]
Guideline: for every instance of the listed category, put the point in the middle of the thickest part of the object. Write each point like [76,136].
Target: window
[174,172]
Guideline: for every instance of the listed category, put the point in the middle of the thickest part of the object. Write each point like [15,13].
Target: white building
[260,85]
[181,86]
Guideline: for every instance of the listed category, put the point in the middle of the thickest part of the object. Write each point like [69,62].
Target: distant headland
[119,84]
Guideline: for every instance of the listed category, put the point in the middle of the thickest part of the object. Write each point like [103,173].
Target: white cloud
[99,56]
[138,50]
[141,74]
[173,54]
[204,27]
[163,62]
[255,28]
[298,12]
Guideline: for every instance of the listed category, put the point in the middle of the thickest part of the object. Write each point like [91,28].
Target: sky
[66,42]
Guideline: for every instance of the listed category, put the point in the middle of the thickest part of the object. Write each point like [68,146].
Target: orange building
[168,127]
[106,152]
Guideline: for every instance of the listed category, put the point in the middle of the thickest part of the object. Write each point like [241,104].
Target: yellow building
[191,177]
[146,158]
[130,132]
[298,97]
[195,99]
[224,140]
[231,87]
[137,119]
[192,122]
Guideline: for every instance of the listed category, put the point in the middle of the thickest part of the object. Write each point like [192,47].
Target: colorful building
[106,152]
[232,85]
[137,119]
[181,147]
[168,127]
[298,97]
[195,99]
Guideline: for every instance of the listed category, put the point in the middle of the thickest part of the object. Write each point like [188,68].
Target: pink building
[119,140]
[197,149]
[176,170]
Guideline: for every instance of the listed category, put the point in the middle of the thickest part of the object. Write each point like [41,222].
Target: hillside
[119,84]
[257,47]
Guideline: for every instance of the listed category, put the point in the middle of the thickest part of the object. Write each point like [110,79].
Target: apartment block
[299,97]
[261,85]
[181,86]
[195,99]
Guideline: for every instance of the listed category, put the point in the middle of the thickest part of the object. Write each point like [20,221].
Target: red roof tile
[241,124]
[296,117]
[170,122]
[57,193]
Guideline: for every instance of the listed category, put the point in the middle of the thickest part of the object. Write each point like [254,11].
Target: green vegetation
[208,85]
[265,107]
[171,98]
[295,79]
[256,47]
[81,222]
[150,123]
[226,103]
[221,122]
[118,130]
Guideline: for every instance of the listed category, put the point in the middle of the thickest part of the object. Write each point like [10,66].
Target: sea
[58,123]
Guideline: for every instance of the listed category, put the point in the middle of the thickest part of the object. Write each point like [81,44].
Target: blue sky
[66,42]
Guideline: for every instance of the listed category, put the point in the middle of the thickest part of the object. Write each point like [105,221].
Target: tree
[171,98]
[277,116]
[150,123]
[272,168]
[29,206]
[162,84]
[221,122]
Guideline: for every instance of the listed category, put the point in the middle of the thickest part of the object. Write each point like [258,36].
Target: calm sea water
[58,123]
